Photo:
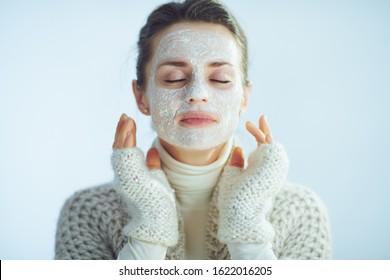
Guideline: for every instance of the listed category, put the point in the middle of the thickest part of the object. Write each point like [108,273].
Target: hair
[209,11]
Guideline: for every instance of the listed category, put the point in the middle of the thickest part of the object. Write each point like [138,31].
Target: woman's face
[195,88]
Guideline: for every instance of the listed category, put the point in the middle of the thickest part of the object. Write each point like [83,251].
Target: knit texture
[91,225]
[149,197]
[246,196]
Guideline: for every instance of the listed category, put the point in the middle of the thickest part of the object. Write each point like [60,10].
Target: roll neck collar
[193,184]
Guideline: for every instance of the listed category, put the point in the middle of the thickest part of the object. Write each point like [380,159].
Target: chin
[195,142]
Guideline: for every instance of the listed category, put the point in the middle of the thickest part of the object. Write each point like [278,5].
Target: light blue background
[320,70]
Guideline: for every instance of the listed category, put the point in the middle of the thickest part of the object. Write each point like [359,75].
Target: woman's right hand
[150,198]
[125,137]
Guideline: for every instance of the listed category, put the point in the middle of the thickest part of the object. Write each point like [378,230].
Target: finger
[130,140]
[133,134]
[264,126]
[153,159]
[118,128]
[269,139]
[126,134]
[122,134]
[237,158]
[256,132]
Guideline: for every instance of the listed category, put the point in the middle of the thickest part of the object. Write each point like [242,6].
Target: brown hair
[210,11]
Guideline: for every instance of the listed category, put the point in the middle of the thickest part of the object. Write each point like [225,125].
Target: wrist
[149,197]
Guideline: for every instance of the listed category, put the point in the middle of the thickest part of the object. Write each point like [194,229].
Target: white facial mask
[199,47]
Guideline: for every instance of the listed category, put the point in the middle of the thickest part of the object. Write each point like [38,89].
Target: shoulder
[90,224]
[301,224]
[93,203]
[299,200]
[296,204]
[95,192]
[93,196]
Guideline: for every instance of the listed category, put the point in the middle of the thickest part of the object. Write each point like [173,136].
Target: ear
[140,97]
[245,97]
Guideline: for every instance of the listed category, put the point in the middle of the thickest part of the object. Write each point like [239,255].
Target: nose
[193,99]
[197,93]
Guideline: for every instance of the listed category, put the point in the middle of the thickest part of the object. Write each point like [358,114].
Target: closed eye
[174,81]
[220,81]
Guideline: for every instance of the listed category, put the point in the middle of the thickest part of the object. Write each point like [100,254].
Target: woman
[194,197]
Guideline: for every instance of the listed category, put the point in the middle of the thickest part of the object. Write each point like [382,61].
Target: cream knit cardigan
[91,226]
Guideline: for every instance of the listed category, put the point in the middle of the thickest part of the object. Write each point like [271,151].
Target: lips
[196,119]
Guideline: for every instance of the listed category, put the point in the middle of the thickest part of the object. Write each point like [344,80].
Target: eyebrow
[215,64]
[220,63]
[174,63]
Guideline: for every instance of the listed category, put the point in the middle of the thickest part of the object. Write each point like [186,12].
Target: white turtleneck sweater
[193,187]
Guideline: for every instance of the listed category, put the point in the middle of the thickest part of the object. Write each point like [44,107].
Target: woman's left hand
[261,133]
[246,194]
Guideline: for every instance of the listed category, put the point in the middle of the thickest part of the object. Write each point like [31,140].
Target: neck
[193,157]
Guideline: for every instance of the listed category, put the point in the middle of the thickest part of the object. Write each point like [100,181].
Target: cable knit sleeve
[90,225]
[302,225]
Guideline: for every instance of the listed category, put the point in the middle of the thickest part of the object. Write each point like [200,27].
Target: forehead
[198,43]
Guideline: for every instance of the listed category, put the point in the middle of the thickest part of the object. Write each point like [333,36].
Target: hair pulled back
[209,11]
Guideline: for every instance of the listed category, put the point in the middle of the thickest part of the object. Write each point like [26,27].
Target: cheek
[164,104]
[228,103]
